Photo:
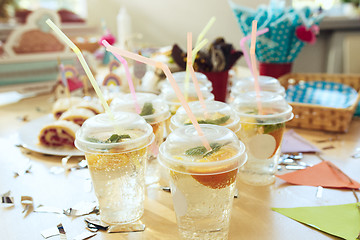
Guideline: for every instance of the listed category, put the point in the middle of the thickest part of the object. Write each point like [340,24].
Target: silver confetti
[236,193]
[81,165]
[27,203]
[46,209]
[64,161]
[166,189]
[50,232]
[294,167]
[94,222]
[84,235]
[80,209]
[6,200]
[61,231]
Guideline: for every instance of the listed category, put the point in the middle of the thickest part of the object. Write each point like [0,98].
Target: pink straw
[253,64]
[165,68]
[192,71]
[242,46]
[128,76]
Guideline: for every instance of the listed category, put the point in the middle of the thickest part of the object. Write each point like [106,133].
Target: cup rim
[167,160]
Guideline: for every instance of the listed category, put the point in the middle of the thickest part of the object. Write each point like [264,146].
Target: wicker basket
[318,117]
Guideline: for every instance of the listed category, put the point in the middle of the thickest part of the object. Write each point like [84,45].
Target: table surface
[252,217]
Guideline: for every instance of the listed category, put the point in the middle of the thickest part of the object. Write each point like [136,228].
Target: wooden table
[252,217]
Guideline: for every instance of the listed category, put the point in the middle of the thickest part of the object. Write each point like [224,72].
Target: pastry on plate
[92,104]
[60,133]
[77,115]
[63,104]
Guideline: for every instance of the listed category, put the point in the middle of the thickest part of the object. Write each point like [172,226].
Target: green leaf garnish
[272,127]
[147,109]
[217,121]
[196,151]
[116,138]
[201,150]
[215,147]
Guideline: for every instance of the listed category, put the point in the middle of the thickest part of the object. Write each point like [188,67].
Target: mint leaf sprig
[217,121]
[147,109]
[201,150]
[115,138]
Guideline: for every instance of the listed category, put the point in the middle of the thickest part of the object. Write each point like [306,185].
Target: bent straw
[194,53]
[253,65]
[128,76]
[191,68]
[198,45]
[173,83]
[84,65]
[242,46]
[203,32]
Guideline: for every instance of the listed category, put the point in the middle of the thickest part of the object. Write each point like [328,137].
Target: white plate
[28,135]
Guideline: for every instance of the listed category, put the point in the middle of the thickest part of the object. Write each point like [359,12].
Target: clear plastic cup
[262,133]
[156,113]
[116,151]
[202,183]
[266,83]
[170,98]
[217,113]
[153,110]
[179,77]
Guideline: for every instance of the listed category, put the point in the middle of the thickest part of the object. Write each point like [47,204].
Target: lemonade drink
[156,113]
[153,110]
[266,83]
[171,99]
[217,113]
[116,151]
[202,182]
[262,134]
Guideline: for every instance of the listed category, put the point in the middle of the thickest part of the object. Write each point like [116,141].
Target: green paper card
[338,220]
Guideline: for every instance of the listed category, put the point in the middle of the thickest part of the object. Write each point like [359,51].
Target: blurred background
[159,23]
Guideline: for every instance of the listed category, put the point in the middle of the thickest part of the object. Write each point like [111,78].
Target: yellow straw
[203,32]
[84,65]
[199,44]
[191,69]
[187,74]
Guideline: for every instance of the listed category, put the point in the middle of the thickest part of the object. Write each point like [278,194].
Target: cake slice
[63,104]
[60,133]
[77,115]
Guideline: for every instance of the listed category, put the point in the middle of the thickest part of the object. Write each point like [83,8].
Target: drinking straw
[193,76]
[242,46]
[173,83]
[253,64]
[198,45]
[203,32]
[128,76]
[84,65]
[194,53]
